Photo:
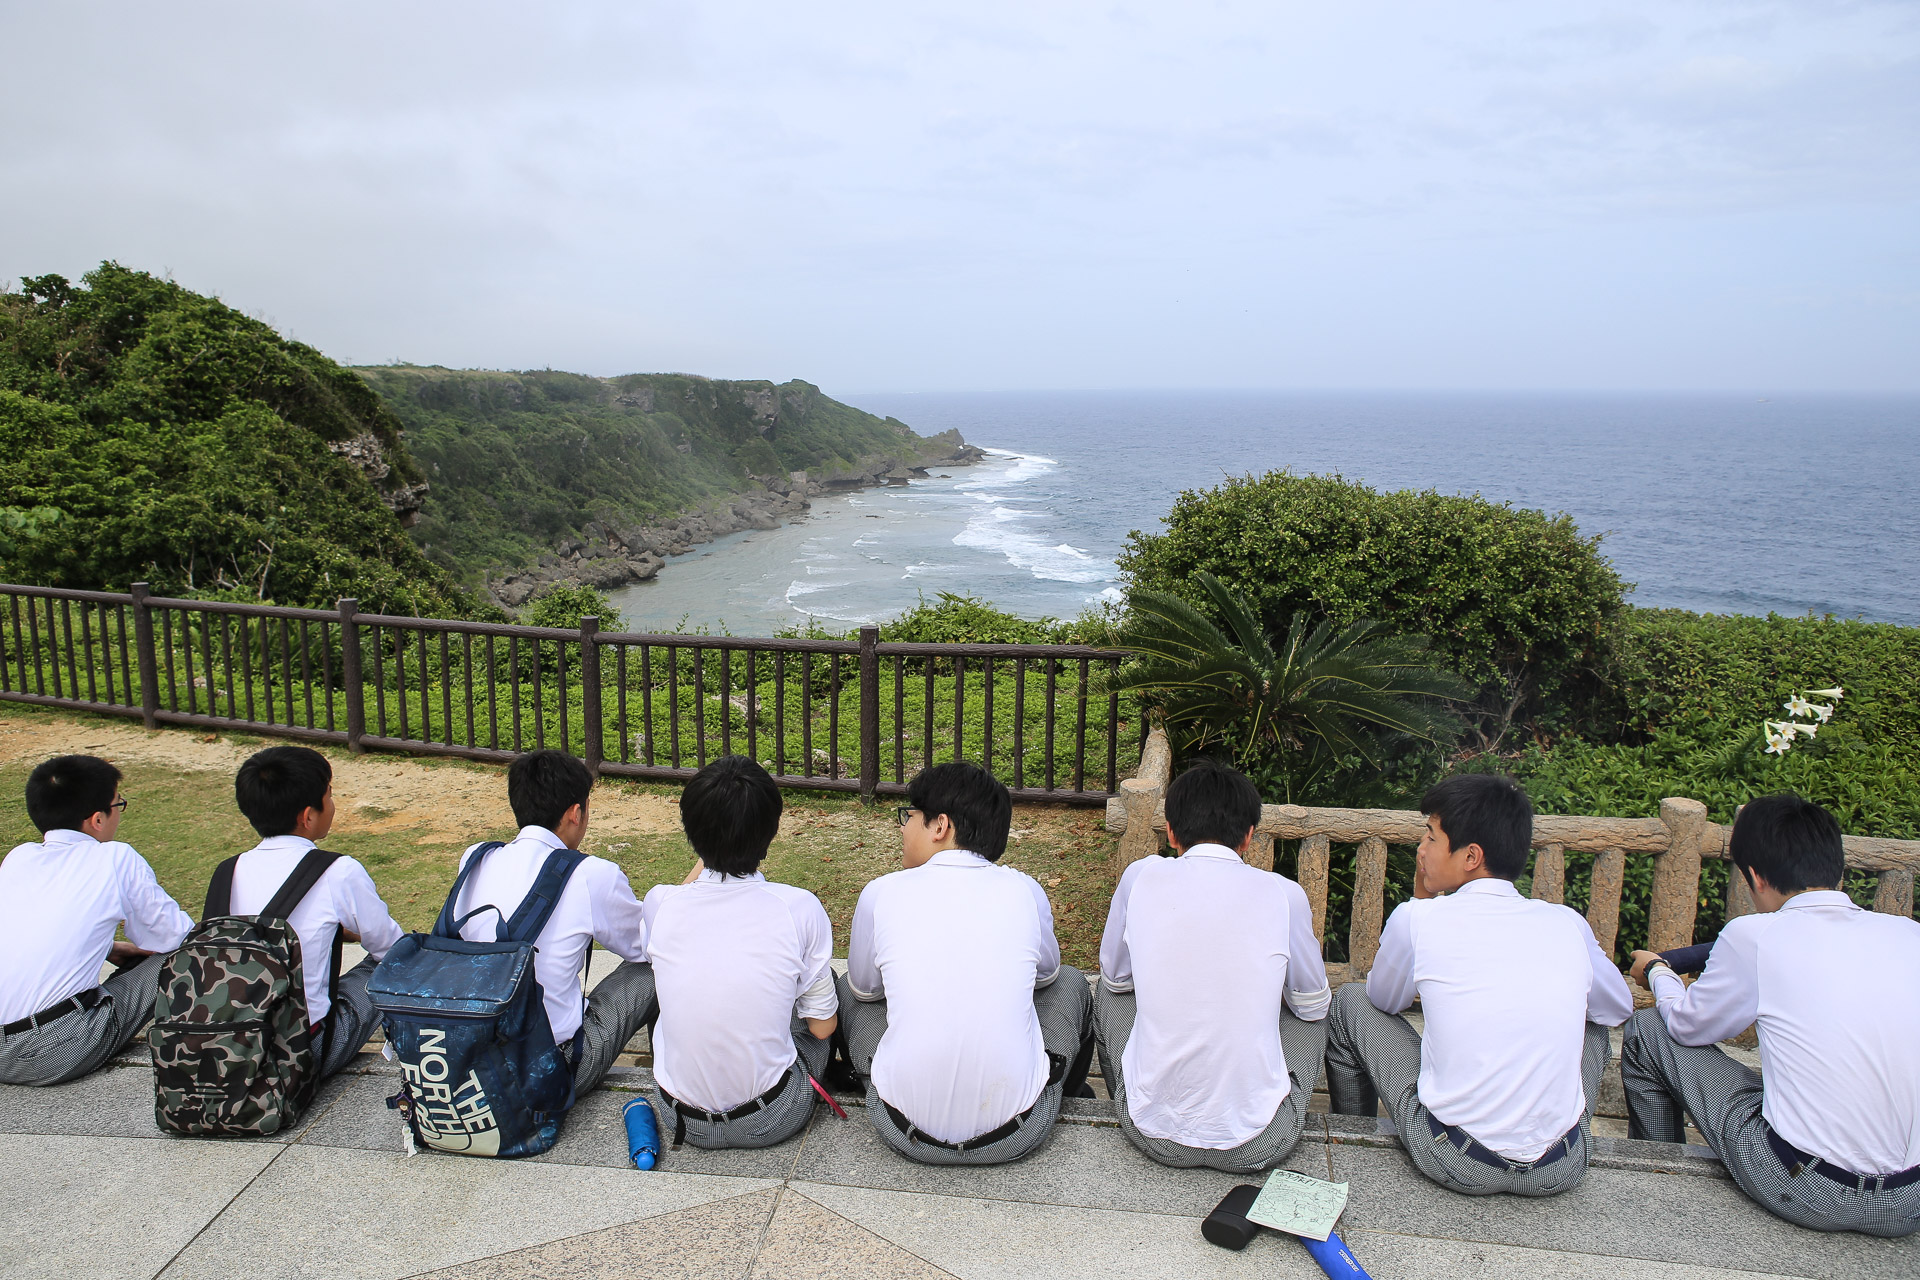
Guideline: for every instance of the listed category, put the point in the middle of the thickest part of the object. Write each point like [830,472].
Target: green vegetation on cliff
[520,461]
[148,432]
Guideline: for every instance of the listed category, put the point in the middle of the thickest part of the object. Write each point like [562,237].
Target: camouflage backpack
[232,1052]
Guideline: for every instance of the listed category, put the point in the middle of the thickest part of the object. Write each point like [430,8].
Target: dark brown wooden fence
[841,715]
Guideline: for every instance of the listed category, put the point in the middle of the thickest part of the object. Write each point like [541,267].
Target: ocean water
[1720,504]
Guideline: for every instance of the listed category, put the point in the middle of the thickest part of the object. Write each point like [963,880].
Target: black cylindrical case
[1228,1225]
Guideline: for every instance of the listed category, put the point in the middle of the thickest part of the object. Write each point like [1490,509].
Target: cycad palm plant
[1322,693]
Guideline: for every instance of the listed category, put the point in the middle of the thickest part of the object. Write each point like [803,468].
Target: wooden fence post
[594,746]
[149,662]
[1260,852]
[870,711]
[1676,875]
[350,674]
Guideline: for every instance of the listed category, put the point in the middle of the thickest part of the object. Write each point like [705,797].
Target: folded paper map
[1299,1205]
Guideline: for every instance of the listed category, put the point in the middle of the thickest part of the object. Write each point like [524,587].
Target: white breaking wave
[1026,466]
[997,529]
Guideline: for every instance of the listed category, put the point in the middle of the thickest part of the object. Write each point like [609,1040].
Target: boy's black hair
[731,813]
[1212,803]
[543,785]
[1791,841]
[1487,809]
[274,787]
[976,802]
[65,791]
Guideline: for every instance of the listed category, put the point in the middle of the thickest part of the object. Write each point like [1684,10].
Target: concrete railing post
[350,685]
[1369,904]
[148,659]
[1141,796]
[1550,873]
[1676,875]
[1894,896]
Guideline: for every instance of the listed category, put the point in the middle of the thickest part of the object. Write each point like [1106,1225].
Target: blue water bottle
[1334,1257]
[643,1133]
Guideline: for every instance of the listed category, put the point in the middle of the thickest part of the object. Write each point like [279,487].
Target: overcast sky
[1675,195]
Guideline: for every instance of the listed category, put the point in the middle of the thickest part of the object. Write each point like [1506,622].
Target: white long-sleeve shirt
[61,898]
[1210,947]
[1507,985]
[1835,994]
[734,958]
[596,906]
[343,898]
[956,947]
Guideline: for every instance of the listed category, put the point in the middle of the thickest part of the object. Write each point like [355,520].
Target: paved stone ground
[89,1187]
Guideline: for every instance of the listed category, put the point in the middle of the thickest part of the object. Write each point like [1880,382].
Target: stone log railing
[1678,841]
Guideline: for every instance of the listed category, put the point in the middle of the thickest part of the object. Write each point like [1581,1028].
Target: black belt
[1467,1145]
[1056,1072]
[681,1110]
[72,1004]
[988,1138]
[1796,1160]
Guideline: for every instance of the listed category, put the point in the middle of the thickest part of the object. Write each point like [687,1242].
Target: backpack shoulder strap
[220,890]
[446,926]
[537,907]
[298,885]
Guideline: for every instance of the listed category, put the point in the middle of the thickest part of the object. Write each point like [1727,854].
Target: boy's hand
[699,865]
[1641,959]
[122,954]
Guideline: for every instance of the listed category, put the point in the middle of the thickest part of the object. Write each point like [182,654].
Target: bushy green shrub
[187,444]
[564,603]
[1512,599]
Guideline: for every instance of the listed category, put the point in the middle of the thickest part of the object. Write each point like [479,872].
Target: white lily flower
[1835,694]
[1798,706]
[1822,712]
[1778,744]
[1805,730]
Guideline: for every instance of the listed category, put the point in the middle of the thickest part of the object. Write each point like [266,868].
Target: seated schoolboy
[958,1013]
[742,967]
[1831,1139]
[286,794]
[1499,1095]
[60,902]
[1212,992]
[548,791]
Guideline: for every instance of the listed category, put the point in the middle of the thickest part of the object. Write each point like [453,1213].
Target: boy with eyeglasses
[959,1015]
[61,900]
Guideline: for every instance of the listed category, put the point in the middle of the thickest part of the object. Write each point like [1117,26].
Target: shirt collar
[1490,884]
[1819,898]
[67,835]
[285,844]
[1211,851]
[956,858]
[540,835]
[709,876]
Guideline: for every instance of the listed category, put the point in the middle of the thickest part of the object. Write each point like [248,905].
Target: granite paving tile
[368,1215]
[118,1102]
[708,1242]
[809,1242]
[1700,1221]
[1080,1165]
[594,1134]
[91,1208]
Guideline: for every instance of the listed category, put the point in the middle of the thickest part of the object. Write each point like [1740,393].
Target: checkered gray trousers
[779,1120]
[1664,1078]
[1376,1056]
[621,1003]
[70,1047]
[1065,1009]
[1301,1044]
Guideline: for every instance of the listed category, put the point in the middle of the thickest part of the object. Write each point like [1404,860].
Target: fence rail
[840,715]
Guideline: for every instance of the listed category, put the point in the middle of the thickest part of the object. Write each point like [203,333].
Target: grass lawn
[407,820]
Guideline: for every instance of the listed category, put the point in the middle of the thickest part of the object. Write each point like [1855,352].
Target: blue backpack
[468,1023]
